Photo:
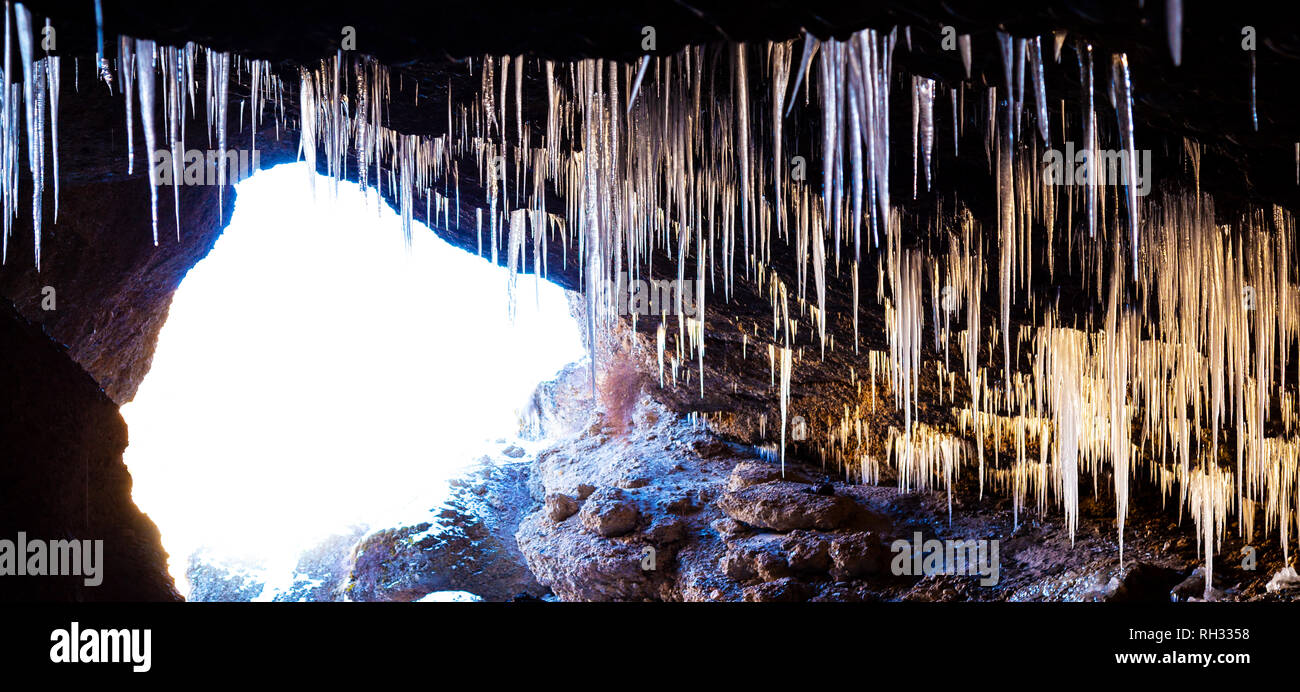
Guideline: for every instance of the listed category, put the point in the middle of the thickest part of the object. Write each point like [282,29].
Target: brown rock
[749,473]
[807,552]
[728,527]
[685,504]
[783,506]
[560,506]
[608,512]
[855,555]
[785,590]
[665,529]
[762,556]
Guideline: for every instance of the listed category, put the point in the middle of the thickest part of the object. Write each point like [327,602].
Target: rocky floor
[671,512]
[661,508]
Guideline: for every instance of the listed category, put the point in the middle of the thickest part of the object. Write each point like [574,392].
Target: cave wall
[111,286]
[61,443]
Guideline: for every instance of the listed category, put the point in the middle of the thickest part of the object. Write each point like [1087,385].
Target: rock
[468,545]
[822,488]
[762,556]
[840,593]
[632,483]
[938,588]
[710,448]
[748,473]
[785,590]
[728,527]
[783,506]
[221,580]
[513,451]
[581,566]
[737,566]
[665,530]
[683,504]
[1140,583]
[807,552]
[1193,588]
[323,569]
[560,507]
[608,512]
[584,491]
[62,476]
[855,555]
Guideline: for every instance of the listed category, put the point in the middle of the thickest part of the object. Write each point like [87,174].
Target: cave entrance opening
[316,377]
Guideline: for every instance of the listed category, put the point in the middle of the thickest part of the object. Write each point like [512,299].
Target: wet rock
[608,512]
[560,507]
[783,506]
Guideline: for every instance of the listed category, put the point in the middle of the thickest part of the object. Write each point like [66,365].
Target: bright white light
[313,373]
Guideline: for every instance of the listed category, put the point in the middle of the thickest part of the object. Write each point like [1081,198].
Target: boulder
[609,512]
[783,506]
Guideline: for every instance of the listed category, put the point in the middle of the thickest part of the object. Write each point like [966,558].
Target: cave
[884,301]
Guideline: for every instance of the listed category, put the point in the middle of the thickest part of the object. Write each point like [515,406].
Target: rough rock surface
[785,506]
[318,575]
[467,545]
[609,512]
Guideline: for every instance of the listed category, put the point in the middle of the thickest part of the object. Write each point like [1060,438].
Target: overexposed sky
[314,373]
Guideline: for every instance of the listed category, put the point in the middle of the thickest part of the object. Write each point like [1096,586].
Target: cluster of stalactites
[688,156]
[34,100]
[142,65]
